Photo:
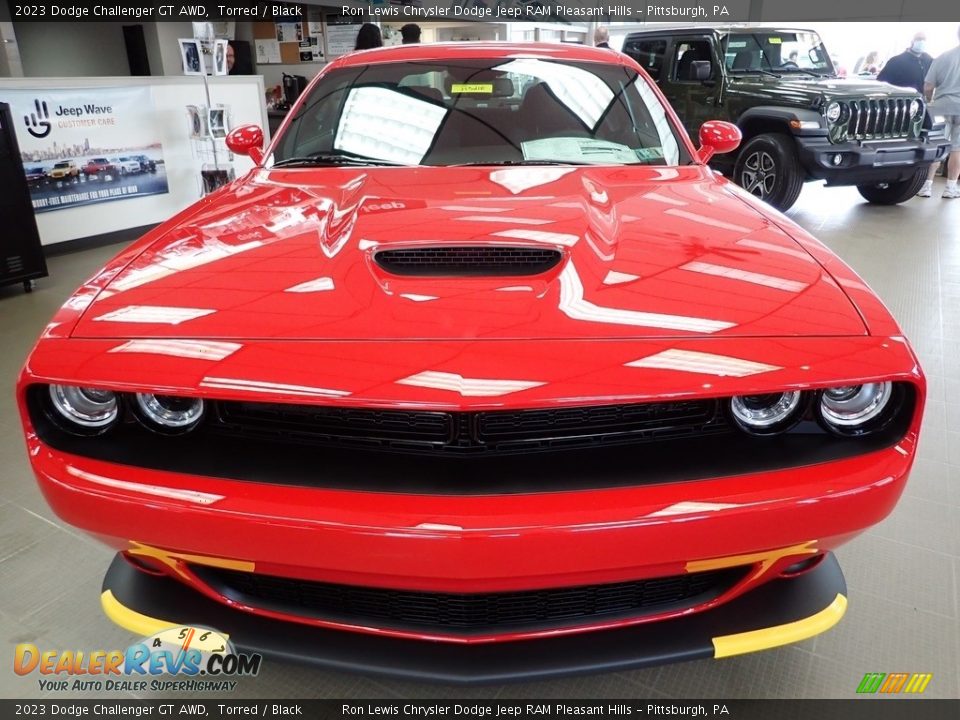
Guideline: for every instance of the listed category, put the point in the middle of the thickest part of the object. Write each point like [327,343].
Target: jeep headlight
[914,108]
[833,111]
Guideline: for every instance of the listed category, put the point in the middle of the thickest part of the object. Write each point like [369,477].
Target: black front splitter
[780,612]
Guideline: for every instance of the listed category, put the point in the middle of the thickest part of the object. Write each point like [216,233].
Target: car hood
[805,90]
[646,252]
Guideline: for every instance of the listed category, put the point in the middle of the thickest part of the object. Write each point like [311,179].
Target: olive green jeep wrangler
[799,121]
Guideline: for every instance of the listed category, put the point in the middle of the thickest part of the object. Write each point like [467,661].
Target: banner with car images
[87,145]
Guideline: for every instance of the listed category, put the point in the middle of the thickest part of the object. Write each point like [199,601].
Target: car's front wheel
[768,167]
[894,193]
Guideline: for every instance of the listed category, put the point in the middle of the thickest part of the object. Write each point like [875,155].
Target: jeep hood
[805,91]
[645,252]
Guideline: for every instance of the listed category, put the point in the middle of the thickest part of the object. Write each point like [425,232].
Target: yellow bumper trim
[754,640]
[131,620]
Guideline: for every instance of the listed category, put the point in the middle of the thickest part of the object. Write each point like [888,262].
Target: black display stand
[21,255]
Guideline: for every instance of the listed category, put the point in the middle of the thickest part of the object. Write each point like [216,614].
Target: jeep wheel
[768,168]
[893,193]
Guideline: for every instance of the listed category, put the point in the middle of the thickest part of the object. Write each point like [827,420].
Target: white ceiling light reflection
[701,362]
[658,197]
[193,349]
[583,93]
[505,219]
[692,508]
[705,220]
[467,387]
[745,275]
[381,123]
[618,278]
[260,386]
[772,247]
[572,304]
[154,314]
[418,298]
[543,236]
[311,286]
[518,180]
[182,255]
[472,209]
[515,288]
[194,496]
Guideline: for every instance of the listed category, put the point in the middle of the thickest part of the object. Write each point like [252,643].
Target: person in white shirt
[942,89]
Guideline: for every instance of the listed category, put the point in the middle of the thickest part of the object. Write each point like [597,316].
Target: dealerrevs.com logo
[201,659]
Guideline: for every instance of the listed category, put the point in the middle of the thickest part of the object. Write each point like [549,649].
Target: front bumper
[868,161]
[780,612]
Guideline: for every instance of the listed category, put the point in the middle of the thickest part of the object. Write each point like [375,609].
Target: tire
[893,193]
[768,168]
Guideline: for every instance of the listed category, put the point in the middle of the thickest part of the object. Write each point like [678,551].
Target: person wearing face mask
[909,68]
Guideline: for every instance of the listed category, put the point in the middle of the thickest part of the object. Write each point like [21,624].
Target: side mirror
[247,140]
[718,137]
[701,69]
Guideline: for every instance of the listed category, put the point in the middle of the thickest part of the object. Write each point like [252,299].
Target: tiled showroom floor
[903,575]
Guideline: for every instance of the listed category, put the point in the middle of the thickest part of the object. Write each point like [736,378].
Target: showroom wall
[79,49]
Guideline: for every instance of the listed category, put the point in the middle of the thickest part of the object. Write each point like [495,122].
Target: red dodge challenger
[480,373]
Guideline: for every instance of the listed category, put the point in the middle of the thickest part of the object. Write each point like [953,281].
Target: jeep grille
[878,119]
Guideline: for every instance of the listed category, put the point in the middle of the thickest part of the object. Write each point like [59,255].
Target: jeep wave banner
[87,145]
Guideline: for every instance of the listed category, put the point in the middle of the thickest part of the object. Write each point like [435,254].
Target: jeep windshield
[779,52]
[489,111]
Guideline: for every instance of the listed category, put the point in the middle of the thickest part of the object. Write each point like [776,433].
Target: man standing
[909,68]
[601,37]
[410,34]
[942,89]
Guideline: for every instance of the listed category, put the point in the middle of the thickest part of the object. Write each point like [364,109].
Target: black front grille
[472,261]
[879,119]
[458,613]
[484,432]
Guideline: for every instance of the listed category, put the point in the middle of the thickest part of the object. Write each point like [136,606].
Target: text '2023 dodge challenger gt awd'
[480,373]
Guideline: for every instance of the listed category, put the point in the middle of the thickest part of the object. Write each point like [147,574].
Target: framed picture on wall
[191,53]
[220,57]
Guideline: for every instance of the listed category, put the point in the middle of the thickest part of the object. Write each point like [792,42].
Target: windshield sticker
[650,153]
[737,43]
[576,150]
[486,88]
[774,41]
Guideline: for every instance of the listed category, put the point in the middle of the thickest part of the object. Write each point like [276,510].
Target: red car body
[269,291]
[100,167]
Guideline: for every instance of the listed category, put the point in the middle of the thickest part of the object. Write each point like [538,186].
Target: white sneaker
[926,190]
[951,192]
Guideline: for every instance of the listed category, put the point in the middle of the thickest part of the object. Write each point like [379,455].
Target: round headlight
[850,408]
[169,413]
[765,414]
[833,111]
[914,108]
[88,408]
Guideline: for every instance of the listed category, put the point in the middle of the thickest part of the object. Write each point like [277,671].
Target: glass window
[797,51]
[688,51]
[648,54]
[482,111]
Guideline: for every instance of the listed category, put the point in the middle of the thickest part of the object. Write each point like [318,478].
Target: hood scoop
[467,261]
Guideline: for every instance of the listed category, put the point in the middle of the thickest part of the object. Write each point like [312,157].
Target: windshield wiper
[335,157]
[801,70]
[520,162]
[759,71]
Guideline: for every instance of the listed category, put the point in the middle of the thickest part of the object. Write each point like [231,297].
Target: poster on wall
[87,145]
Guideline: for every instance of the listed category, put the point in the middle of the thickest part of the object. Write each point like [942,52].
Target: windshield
[799,51]
[482,111]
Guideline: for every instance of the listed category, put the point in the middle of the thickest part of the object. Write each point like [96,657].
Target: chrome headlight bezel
[83,410]
[856,409]
[767,413]
[159,412]
[833,112]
